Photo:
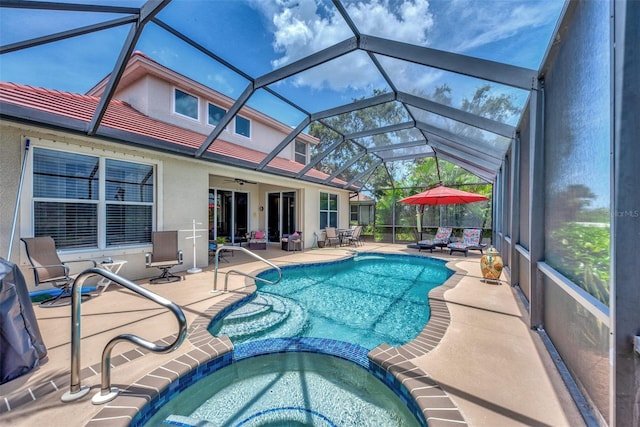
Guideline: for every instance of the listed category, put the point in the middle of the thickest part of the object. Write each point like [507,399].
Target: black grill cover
[21,345]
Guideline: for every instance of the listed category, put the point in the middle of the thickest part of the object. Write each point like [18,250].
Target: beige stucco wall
[11,154]
[182,197]
[155,98]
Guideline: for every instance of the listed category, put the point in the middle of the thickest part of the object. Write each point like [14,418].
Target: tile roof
[123,117]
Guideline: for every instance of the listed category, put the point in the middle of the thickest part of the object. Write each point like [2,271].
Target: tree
[568,204]
[332,129]
[422,172]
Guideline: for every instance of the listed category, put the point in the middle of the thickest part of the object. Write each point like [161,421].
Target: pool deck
[477,363]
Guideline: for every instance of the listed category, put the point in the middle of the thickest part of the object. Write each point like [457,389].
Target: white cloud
[304,27]
[480,23]
[407,21]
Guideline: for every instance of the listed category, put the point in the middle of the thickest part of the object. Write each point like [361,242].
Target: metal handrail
[226,277]
[108,393]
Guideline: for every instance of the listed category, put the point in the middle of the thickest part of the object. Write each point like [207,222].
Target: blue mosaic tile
[340,349]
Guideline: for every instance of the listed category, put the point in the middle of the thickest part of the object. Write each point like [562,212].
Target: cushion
[259,235]
[471,237]
[442,236]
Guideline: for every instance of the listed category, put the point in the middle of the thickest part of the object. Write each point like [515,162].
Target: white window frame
[297,153]
[235,127]
[27,225]
[197,118]
[356,213]
[209,104]
[329,211]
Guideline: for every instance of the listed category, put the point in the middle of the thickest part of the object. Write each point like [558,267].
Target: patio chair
[470,240]
[257,240]
[442,239]
[164,256]
[354,237]
[331,235]
[49,269]
[292,242]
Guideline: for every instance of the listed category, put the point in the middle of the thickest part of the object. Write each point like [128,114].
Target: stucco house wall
[182,186]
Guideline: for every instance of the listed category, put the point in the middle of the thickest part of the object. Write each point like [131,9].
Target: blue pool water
[289,389]
[367,300]
[301,347]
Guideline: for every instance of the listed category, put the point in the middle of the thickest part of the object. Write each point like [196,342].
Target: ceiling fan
[240,181]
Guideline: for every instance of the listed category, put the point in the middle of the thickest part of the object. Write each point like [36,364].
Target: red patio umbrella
[442,195]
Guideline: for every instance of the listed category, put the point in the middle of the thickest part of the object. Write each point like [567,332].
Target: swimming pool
[366,300]
[287,389]
[363,302]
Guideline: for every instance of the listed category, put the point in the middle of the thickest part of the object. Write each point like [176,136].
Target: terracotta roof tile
[122,116]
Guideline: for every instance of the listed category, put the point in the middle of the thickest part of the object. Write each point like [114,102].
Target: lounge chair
[442,239]
[470,240]
[292,242]
[48,269]
[164,256]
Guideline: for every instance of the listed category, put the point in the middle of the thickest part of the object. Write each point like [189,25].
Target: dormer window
[185,104]
[215,114]
[301,152]
[243,126]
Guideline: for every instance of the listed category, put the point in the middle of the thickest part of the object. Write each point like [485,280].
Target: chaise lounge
[470,240]
[443,235]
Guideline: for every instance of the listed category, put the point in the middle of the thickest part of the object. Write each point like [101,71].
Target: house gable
[150,88]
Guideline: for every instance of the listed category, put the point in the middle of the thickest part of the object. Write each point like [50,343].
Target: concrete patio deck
[487,361]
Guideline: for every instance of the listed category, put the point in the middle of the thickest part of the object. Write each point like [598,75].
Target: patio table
[112,265]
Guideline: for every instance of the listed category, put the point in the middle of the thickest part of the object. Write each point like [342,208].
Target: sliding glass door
[281,214]
[228,214]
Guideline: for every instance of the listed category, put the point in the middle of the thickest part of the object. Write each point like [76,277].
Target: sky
[259,36]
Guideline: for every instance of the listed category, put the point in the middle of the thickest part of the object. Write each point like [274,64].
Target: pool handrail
[250,253]
[108,393]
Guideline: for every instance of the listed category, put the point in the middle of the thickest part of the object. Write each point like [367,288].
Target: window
[243,126]
[65,198]
[301,152]
[215,114]
[129,202]
[360,214]
[366,215]
[353,214]
[328,210]
[71,191]
[186,104]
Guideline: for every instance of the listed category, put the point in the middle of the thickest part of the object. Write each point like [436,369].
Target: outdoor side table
[113,266]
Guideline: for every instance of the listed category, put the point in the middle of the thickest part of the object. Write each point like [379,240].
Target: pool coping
[434,403]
